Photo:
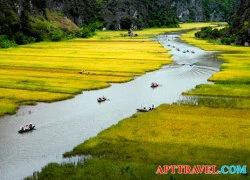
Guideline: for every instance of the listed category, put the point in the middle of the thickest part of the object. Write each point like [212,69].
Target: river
[62,125]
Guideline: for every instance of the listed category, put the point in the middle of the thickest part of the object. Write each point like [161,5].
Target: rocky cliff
[240,26]
[117,14]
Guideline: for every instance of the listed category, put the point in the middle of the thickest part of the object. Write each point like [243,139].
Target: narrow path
[63,125]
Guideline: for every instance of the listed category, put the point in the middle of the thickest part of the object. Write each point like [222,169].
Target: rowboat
[145,109]
[26,128]
[142,110]
[101,99]
[154,85]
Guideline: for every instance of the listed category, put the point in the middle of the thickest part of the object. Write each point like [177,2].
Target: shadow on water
[62,125]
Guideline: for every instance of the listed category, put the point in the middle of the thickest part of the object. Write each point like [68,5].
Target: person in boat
[30,126]
[144,108]
[149,108]
[153,107]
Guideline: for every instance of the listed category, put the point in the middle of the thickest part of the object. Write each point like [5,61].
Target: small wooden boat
[101,99]
[154,85]
[145,109]
[26,128]
[142,110]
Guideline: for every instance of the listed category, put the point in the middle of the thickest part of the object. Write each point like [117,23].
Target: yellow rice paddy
[233,79]
[45,72]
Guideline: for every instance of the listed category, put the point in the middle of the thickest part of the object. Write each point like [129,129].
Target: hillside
[25,21]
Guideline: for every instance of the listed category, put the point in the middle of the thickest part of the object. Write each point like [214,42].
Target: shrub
[56,35]
[221,35]
[21,39]
[5,42]
[86,32]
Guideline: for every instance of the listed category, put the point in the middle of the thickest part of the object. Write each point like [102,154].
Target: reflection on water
[63,125]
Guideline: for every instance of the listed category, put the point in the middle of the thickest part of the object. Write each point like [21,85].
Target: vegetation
[224,8]
[222,35]
[237,32]
[148,33]
[135,147]
[234,78]
[44,26]
[25,21]
[33,73]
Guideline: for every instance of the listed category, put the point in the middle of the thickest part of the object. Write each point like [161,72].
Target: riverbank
[232,82]
[136,146]
[48,72]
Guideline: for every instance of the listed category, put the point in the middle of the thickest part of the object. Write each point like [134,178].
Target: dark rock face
[125,14]
[118,14]
[241,23]
[142,12]
[190,10]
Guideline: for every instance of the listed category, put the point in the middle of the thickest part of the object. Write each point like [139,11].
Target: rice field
[135,147]
[234,78]
[148,33]
[47,72]
[175,134]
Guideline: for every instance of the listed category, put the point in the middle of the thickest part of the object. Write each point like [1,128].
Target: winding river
[65,124]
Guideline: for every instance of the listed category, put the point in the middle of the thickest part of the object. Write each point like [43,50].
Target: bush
[56,35]
[86,32]
[89,31]
[5,42]
[221,35]
[21,39]
[228,40]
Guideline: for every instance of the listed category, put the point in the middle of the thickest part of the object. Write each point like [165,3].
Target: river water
[65,124]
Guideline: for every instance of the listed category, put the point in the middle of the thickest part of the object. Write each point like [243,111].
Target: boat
[26,128]
[101,99]
[142,110]
[154,85]
[145,109]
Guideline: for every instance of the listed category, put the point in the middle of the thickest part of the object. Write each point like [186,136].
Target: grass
[50,71]
[135,147]
[174,134]
[234,78]
[148,33]
[46,71]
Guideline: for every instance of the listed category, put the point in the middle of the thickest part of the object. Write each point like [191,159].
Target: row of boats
[185,51]
[144,109]
[31,127]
